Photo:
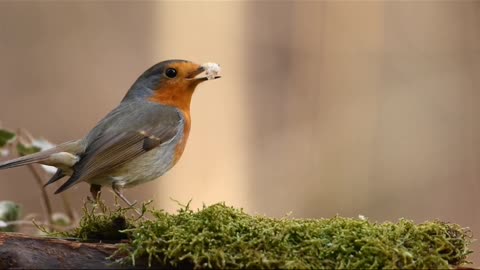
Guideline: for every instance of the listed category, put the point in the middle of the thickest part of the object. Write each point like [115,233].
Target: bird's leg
[118,192]
[95,191]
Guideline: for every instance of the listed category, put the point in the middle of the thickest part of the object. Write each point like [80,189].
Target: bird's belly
[144,168]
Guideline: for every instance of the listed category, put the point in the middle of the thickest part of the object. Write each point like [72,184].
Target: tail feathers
[40,157]
[68,184]
[57,176]
[24,160]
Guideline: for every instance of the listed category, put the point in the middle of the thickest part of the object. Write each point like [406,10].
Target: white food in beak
[211,70]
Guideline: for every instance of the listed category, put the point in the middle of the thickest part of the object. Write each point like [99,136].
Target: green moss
[219,236]
[100,223]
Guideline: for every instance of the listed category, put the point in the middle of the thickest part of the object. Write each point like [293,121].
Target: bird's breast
[186,131]
[178,98]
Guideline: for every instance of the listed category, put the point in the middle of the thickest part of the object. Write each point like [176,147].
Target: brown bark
[28,252]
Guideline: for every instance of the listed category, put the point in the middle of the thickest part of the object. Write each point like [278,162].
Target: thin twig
[66,204]
[40,182]
[45,199]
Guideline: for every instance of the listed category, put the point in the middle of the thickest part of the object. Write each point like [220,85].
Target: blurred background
[324,108]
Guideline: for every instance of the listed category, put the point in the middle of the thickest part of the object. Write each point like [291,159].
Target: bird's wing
[128,132]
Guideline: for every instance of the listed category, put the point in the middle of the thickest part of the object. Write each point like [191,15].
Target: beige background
[324,107]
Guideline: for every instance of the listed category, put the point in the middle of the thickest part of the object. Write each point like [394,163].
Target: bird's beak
[200,70]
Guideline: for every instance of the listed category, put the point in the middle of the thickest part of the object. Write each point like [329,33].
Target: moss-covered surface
[102,224]
[219,236]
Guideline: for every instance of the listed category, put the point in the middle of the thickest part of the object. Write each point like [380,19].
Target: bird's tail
[43,156]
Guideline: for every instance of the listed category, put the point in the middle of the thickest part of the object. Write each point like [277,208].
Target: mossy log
[19,251]
[222,237]
[28,252]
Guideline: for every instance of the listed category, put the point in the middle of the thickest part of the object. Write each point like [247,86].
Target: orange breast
[180,98]
[186,131]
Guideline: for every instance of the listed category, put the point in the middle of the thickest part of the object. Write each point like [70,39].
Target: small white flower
[4,152]
[49,169]
[362,217]
[61,219]
[42,144]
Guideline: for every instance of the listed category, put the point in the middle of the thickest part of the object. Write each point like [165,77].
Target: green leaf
[6,137]
[9,211]
[24,149]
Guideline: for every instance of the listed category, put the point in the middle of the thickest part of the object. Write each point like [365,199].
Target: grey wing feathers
[124,136]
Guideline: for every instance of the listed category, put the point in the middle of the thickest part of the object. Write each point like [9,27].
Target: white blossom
[43,144]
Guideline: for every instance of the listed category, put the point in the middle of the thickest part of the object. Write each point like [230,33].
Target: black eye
[171,72]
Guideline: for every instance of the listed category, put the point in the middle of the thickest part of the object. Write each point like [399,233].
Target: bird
[138,141]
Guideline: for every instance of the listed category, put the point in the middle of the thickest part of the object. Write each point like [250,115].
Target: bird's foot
[117,190]
[95,190]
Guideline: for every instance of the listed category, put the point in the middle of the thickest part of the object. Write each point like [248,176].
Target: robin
[138,141]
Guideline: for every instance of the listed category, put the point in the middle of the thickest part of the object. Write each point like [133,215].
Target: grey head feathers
[146,84]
